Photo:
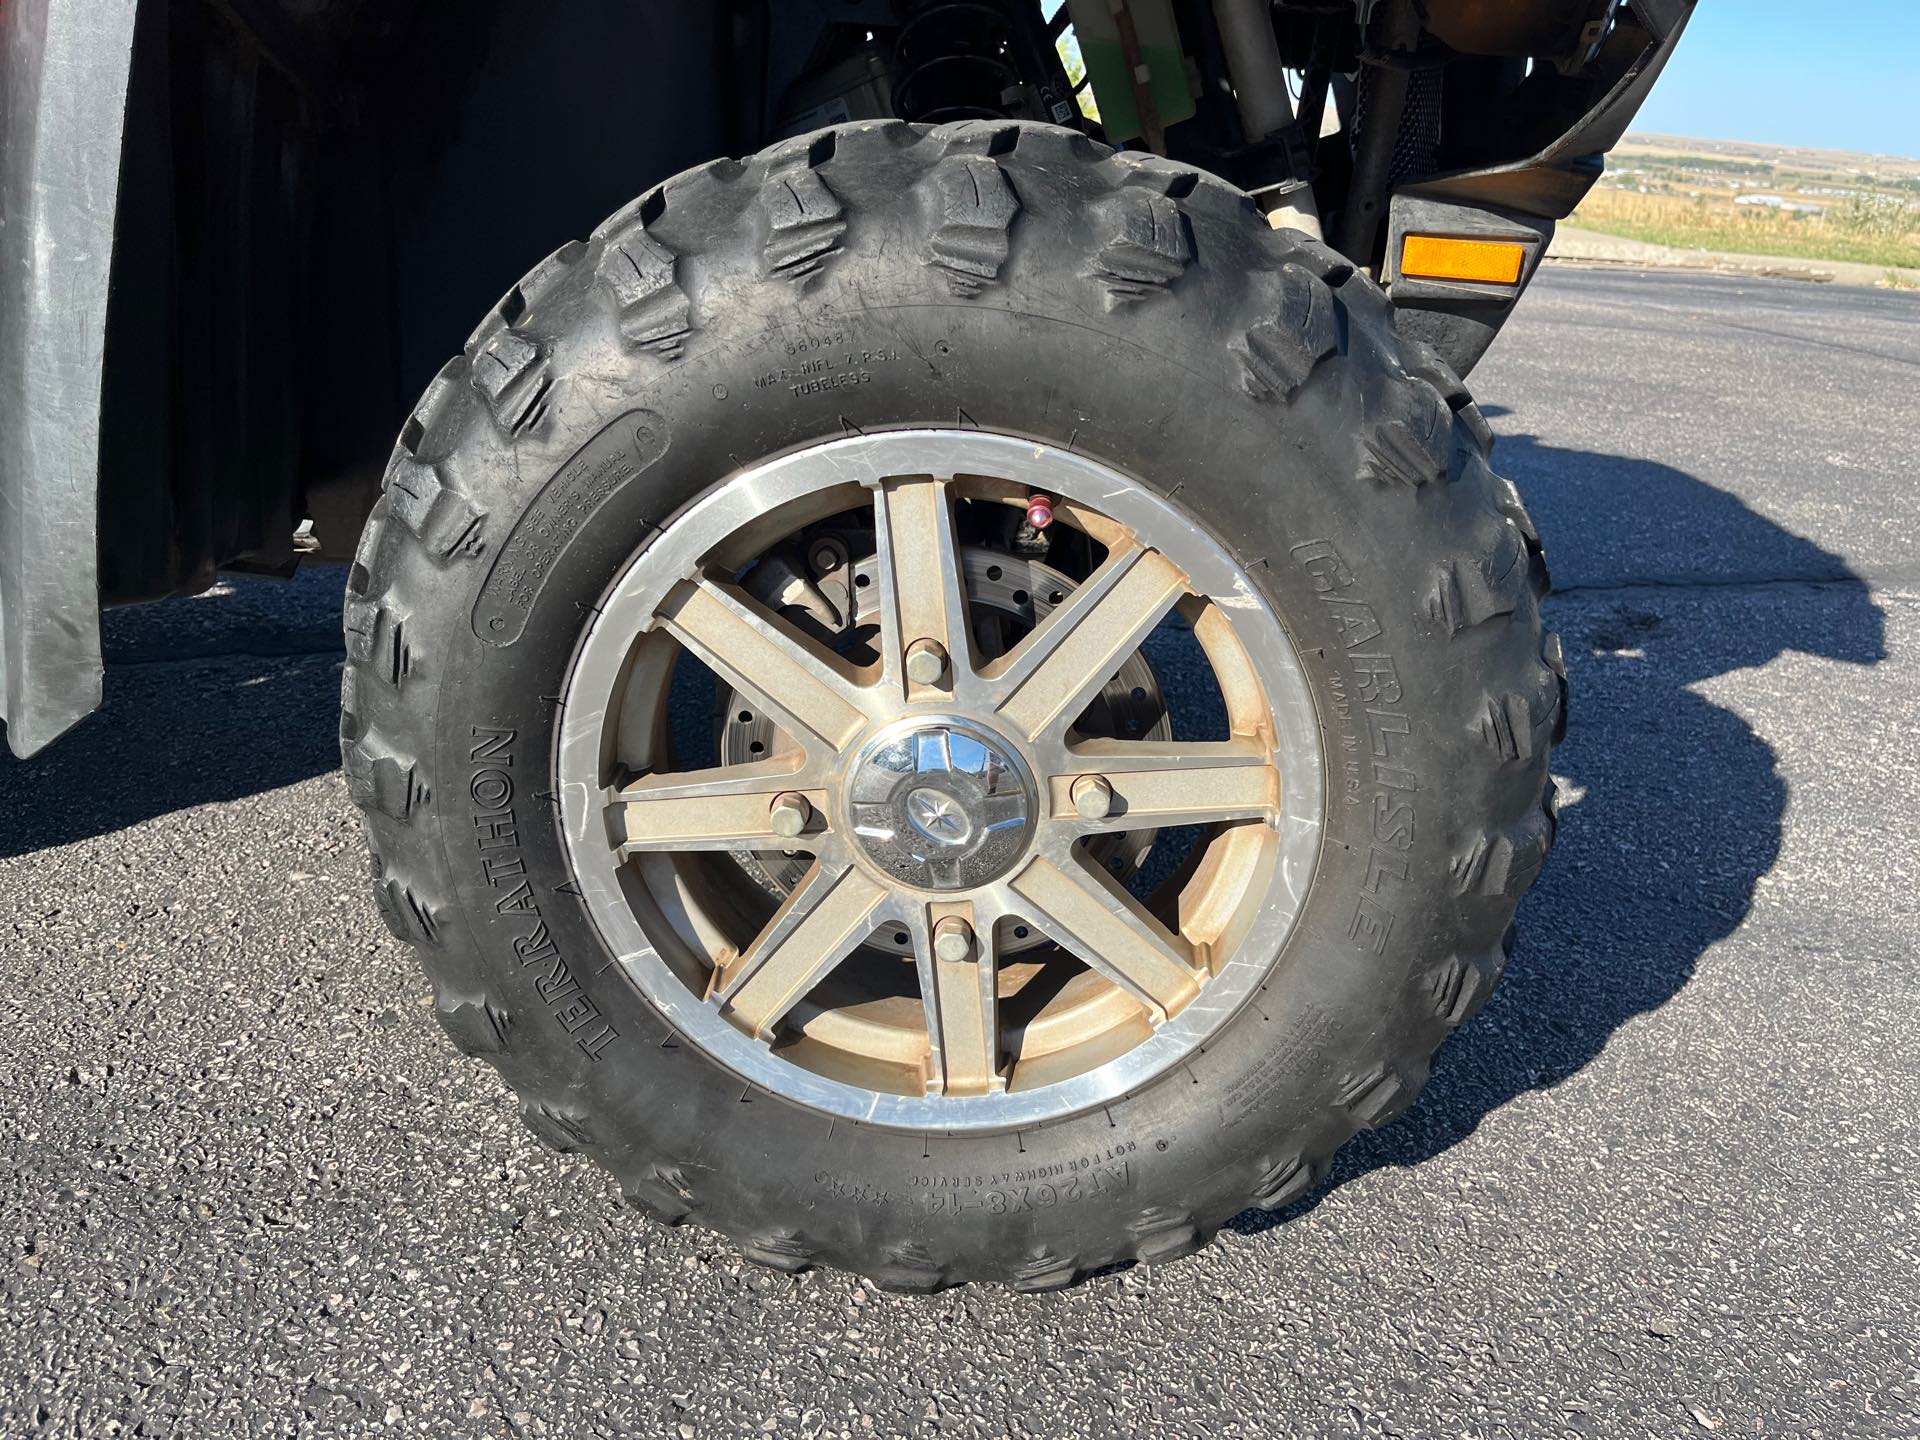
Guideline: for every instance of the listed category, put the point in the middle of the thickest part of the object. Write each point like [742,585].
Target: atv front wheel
[948,703]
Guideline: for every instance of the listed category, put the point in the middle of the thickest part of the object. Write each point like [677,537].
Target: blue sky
[1842,75]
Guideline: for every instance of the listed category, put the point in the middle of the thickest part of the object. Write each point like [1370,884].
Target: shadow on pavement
[1671,805]
[208,699]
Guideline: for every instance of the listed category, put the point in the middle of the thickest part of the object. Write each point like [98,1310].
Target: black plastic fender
[1518,201]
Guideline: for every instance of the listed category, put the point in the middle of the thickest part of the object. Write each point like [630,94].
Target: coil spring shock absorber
[956,61]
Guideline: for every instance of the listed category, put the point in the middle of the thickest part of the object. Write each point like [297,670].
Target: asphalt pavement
[1664,1185]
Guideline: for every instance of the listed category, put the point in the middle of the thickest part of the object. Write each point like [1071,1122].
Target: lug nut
[926,662]
[1092,797]
[952,940]
[826,556]
[789,814]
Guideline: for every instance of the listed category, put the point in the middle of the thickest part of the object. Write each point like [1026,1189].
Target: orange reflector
[1494,262]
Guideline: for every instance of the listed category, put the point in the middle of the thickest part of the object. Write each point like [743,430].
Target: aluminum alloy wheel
[946,797]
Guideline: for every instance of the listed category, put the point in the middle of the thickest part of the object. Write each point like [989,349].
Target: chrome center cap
[940,804]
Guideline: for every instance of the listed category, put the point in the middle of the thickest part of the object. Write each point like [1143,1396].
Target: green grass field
[1866,232]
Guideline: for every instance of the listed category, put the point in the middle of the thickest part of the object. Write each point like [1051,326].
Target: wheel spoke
[829,913]
[1088,912]
[1047,679]
[963,1023]
[921,596]
[1166,783]
[807,690]
[729,808]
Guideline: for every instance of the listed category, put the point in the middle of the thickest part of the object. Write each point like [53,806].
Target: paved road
[1664,1185]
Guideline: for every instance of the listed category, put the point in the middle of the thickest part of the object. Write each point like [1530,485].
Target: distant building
[1780,203]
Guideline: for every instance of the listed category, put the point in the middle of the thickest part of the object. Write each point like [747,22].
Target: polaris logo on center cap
[939,817]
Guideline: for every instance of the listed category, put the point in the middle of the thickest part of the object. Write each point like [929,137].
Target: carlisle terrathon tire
[854,862]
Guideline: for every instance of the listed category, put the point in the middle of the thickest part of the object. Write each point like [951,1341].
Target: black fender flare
[1519,202]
